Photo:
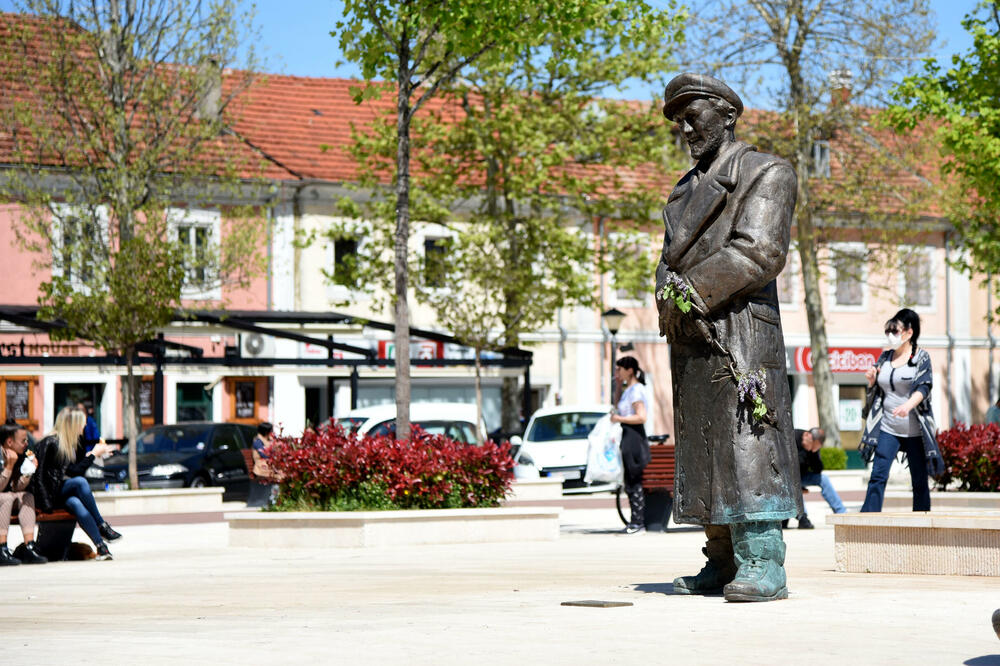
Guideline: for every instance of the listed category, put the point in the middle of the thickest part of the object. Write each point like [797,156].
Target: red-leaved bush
[971,455]
[334,470]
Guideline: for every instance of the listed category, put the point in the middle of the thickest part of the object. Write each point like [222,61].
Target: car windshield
[568,425]
[173,438]
[352,423]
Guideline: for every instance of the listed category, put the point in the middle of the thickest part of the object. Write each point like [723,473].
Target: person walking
[900,416]
[60,480]
[809,442]
[632,411]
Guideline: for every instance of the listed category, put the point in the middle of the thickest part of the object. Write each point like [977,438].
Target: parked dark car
[184,455]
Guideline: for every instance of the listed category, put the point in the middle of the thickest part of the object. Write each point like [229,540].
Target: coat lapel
[691,211]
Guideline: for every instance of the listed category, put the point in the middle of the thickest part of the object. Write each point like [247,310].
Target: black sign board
[18,396]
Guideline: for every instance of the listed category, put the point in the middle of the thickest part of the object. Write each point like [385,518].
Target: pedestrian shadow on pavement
[576,529]
[985,660]
[664,588]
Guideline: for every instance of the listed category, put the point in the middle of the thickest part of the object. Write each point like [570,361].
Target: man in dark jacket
[727,227]
[809,442]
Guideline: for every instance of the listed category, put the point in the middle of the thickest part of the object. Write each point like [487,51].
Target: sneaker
[31,556]
[109,533]
[6,558]
[103,553]
[633,529]
[805,523]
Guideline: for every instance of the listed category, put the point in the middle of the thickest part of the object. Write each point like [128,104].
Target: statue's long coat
[727,234]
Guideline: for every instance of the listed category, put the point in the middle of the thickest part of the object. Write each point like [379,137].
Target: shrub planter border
[362,529]
[953,543]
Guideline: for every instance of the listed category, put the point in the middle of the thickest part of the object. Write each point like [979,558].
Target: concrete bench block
[944,501]
[170,500]
[535,489]
[362,529]
[965,544]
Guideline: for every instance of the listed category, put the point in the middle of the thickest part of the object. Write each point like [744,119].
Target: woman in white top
[632,409]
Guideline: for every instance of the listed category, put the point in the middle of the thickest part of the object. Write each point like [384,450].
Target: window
[19,400]
[819,167]
[435,252]
[197,232]
[226,438]
[194,403]
[78,237]
[245,400]
[196,241]
[917,268]
[345,252]
[850,275]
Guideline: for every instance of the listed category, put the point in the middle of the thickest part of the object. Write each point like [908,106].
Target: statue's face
[704,128]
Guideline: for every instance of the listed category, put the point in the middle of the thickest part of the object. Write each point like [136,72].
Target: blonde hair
[69,425]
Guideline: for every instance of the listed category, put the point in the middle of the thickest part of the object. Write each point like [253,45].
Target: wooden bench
[659,473]
[55,533]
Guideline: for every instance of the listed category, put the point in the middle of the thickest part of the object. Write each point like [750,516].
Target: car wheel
[199,482]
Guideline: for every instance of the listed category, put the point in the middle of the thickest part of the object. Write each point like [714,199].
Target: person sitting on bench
[60,479]
[809,443]
[18,468]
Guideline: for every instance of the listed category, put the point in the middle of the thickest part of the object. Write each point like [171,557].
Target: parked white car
[556,440]
[453,419]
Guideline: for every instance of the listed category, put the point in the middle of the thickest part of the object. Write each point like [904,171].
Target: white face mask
[895,339]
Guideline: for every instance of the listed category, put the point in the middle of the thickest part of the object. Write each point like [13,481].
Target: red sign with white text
[842,359]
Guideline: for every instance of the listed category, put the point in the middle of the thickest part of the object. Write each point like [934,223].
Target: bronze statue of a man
[727,226]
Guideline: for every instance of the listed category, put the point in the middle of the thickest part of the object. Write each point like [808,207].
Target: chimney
[840,86]
[209,88]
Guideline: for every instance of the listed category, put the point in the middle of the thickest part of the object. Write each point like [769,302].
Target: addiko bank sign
[842,359]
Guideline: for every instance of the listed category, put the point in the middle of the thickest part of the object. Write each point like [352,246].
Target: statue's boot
[760,554]
[719,569]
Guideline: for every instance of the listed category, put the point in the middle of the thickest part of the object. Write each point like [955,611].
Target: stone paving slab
[179,594]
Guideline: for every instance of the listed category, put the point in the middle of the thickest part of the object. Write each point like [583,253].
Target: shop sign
[842,359]
[419,349]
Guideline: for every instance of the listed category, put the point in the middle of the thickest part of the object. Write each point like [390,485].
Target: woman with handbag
[632,409]
[899,414]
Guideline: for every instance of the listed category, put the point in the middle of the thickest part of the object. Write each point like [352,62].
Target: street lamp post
[613,320]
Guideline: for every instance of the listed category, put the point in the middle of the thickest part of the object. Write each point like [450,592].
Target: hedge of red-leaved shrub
[337,471]
[971,455]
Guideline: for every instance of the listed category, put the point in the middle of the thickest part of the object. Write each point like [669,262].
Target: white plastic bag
[604,453]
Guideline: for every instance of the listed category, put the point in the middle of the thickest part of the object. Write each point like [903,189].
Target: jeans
[79,501]
[885,453]
[825,488]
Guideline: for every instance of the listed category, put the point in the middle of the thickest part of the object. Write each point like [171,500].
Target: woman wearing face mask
[900,418]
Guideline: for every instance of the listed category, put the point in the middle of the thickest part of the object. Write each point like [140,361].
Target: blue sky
[295,34]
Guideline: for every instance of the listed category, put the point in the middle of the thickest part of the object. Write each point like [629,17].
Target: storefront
[848,365]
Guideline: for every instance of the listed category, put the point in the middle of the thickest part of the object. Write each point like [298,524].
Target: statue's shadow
[666,588]
[985,660]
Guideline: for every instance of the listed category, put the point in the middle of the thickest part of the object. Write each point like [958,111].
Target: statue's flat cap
[685,87]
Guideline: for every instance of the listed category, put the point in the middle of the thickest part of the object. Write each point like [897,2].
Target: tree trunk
[479,397]
[401,245]
[822,376]
[131,417]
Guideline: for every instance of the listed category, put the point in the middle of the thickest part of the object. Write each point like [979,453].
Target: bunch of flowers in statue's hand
[678,291]
[750,387]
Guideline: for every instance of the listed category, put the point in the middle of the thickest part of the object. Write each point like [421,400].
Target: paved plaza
[177,593]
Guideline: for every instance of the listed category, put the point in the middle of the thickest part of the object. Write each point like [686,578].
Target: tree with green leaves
[960,102]
[513,168]
[115,115]
[422,47]
[822,65]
